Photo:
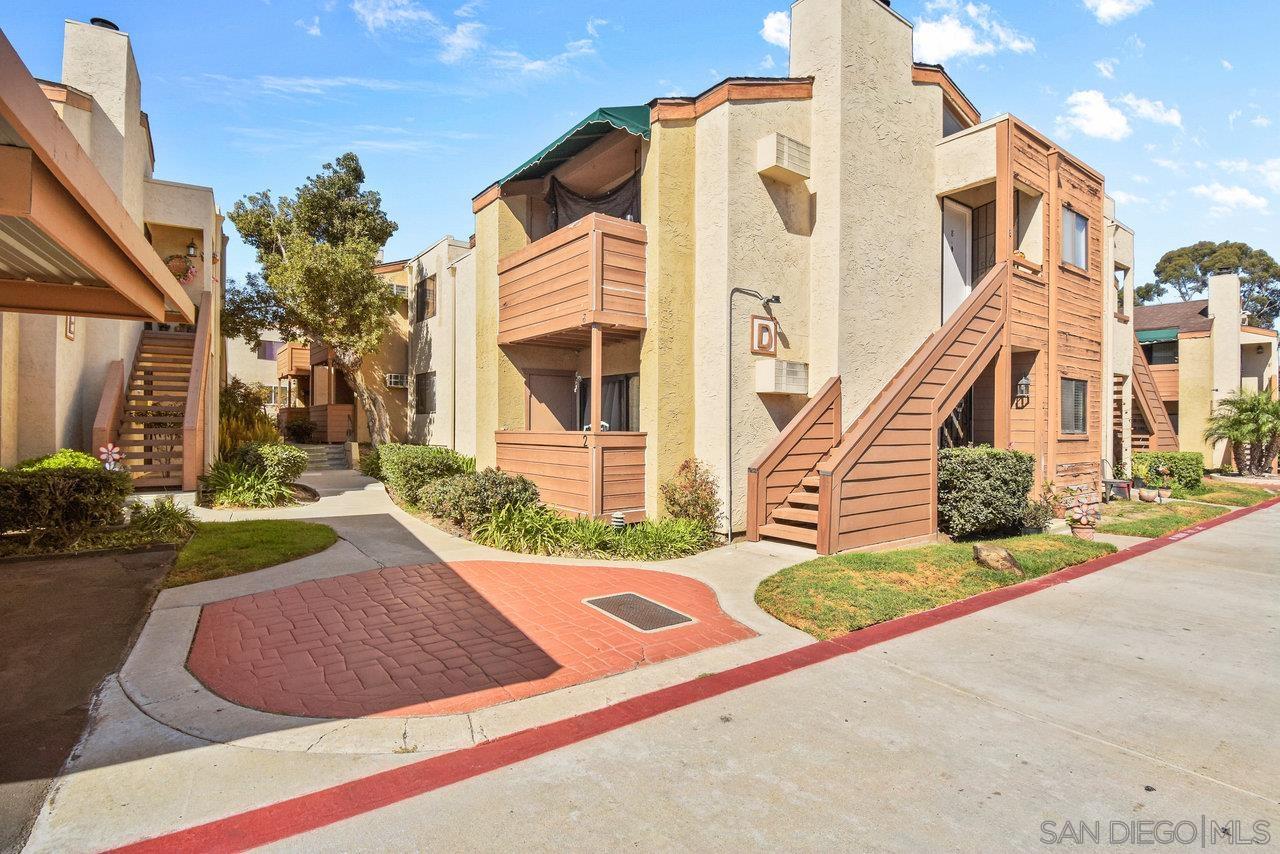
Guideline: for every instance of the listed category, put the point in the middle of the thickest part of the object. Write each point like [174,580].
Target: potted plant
[1050,493]
[1083,520]
[1162,483]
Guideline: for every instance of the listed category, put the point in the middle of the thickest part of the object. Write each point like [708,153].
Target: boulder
[994,557]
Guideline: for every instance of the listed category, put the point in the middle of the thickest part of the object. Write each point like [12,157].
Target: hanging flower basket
[182,268]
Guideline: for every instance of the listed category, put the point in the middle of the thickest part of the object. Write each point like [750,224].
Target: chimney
[105,24]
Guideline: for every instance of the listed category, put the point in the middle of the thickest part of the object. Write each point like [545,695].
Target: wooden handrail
[193,417]
[107,421]
[572,231]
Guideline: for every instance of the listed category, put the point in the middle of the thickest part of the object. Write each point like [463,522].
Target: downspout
[728,417]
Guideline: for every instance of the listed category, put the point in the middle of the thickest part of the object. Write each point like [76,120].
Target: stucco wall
[434,343]
[1257,369]
[874,259]
[966,159]
[1195,395]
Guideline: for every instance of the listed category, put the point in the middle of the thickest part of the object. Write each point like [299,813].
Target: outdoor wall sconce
[191,249]
[1022,394]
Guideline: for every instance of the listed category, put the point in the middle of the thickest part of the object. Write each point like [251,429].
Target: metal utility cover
[639,612]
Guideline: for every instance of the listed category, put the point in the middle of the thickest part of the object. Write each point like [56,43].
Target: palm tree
[1250,421]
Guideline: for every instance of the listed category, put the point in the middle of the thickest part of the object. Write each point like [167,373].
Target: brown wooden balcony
[319,353]
[580,474]
[293,360]
[590,272]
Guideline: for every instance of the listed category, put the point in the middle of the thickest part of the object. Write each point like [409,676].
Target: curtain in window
[619,404]
[984,241]
[568,207]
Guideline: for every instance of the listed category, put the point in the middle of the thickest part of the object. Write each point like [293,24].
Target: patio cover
[1156,336]
[634,120]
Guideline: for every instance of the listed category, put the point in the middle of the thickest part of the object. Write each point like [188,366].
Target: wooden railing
[106,423]
[319,353]
[793,455]
[1146,396]
[293,360]
[335,422]
[193,421]
[1166,380]
[581,474]
[592,271]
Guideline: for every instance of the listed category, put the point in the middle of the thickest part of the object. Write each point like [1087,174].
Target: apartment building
[315,389]
[111,279]
[257,364]
[809,283]
[1201,351]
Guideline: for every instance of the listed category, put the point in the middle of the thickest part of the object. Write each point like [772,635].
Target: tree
[1187,270]
[1250,421]
[1148,293]
[317,251]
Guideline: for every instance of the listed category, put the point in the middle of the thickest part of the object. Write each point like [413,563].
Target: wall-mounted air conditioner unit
[779,376]
[401,291]
[782,159]
[397,380]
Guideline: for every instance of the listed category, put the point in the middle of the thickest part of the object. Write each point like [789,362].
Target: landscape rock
[994,557]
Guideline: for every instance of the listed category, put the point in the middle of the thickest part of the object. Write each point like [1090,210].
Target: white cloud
[1232,116]
[1110,11]
[1089,113]
[460,42]
[777,29]
[1234,165]
[468,9]
[1106,67]
[1123,198]
[311,28]
[1140,179]
[1166,163]
[594,25]
[511,60]
[390,14]
[767,63]
[1260,121]
[1152,111]
[1136,44]
[1229,199]
[1270,171]
[1226,64]
[971,30]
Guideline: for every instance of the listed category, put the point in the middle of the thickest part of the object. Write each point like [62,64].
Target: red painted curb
[318,809]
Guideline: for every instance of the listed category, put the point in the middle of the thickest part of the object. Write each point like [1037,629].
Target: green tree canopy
[317,251]
[1186,271]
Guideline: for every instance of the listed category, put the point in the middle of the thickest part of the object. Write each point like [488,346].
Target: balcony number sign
[764,335]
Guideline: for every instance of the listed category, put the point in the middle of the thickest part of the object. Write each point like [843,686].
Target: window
[1161,353]
[1075,406]
[984,241]
[1075,239]
[268,350]
[424,299]
[619,404]
[424,393]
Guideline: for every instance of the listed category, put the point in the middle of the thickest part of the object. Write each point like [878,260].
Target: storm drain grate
[639,612]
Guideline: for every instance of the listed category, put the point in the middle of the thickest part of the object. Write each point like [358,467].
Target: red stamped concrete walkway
[439,639]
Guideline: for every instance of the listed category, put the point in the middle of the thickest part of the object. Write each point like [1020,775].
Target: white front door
[957,249]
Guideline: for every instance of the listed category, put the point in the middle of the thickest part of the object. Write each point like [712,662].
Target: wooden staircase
[150,429]
[1149,405]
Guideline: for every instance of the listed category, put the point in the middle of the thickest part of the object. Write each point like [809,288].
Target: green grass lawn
[222,549]
[1139,519]
[833,595]
[1220,492]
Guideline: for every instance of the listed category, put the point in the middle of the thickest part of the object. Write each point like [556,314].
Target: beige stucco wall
[434,345]
[9,354]
[1117,336]
[242,362]
[875,263]
[966,158]
[1257,361]
[1195,395]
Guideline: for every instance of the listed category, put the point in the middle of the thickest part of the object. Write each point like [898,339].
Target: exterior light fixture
[1022,394]
[191,249]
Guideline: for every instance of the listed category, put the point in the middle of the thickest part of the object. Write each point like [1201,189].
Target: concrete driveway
[1139,700]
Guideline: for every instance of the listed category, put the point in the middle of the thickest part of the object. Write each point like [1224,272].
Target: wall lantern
[191,249]
[1022,394]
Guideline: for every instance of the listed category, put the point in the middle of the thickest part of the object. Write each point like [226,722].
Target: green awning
[634,120]
[1155,336]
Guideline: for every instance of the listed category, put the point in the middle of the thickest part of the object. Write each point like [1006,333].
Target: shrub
[230,483]
[691,494]
[662,540]
[467,500]
[589,538]
[530,528]
[163,520]
[1038,511]
[242,417]
[408,468]
[300,431]
[982,490]
[56,506]
[1186,468]
[281,462]
[371,463]
[63,459]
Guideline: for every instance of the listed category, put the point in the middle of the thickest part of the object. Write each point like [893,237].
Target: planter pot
[1059,512]
[1149,495]
[1084,532]
[1165,494]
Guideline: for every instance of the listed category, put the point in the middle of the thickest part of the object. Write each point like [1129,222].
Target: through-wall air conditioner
[782,159]
[401,291]
[397,380]
[779,376]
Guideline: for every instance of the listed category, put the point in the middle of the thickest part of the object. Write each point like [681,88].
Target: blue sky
[1173,100]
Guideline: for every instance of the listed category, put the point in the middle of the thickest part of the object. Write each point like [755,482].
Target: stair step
[796,514]
[790,533]
[151,481]
[175,421]
[152,467]
[803,499]
[153,347]
[811,481]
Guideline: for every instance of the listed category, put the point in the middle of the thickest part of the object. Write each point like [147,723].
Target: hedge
[469,499]
[982,490]
[280,462]
[58,506]
[1186,468]
[408,468]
